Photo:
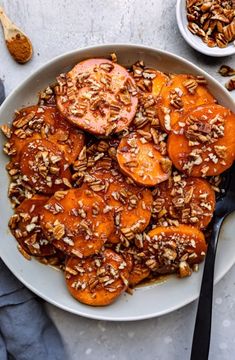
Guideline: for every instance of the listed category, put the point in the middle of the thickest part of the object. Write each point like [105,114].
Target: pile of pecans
[213,21]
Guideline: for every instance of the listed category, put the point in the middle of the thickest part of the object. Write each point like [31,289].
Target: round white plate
[147,301]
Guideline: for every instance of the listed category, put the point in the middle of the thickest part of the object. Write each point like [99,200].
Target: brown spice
[20,48]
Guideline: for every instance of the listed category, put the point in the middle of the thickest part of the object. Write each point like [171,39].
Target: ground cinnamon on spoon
[20,48]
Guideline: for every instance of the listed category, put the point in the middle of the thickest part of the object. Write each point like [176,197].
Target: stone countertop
[57,26]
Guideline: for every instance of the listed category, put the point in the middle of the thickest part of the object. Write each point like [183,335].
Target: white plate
[148,301]
[195,41]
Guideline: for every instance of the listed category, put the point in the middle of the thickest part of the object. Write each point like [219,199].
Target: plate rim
[104,46]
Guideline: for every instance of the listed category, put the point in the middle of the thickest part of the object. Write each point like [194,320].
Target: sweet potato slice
[184,200]
[202,144]
[131,204]
[98,96]
[141,161]
[135,217]
[159,82]
[24,128]
[149,80]
[173,249]
[69,139]
[149,83]
[41,122]
[97,280]
[127,257]
[75,222]
[139,270]
[181,93]
[43,166]
[25,226]
[139,273]
[135,265]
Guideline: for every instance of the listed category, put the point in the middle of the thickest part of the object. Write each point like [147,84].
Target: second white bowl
[195,41]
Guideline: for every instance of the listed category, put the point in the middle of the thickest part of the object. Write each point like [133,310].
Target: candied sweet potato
[98,96]
[139,273]
[131,204]
[174,249]
[149,80]
[25,226]
[141,161]
[97,280]
[24,128]
[135,265]
[202,143]
[43,167]
[135,217]
[149,83]
[181,93]
[76,223]
[159,82]
[44,122]
[184,200]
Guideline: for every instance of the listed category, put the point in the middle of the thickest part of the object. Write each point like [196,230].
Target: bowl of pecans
[208,26]
[107,200]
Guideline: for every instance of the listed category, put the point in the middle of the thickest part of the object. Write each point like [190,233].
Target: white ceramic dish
[195,41]
[147,301]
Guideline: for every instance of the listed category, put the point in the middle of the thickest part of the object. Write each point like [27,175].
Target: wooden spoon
[18,44]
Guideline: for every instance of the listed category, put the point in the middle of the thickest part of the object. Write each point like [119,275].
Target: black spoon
[202,330]
[2,92]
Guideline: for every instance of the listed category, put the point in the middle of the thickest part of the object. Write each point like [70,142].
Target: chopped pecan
[226,70]
[230,85]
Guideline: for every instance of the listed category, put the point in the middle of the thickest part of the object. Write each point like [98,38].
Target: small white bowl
[194,40]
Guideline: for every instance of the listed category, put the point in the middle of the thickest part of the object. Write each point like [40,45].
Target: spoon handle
[6,22]
[202,330]
[2,92]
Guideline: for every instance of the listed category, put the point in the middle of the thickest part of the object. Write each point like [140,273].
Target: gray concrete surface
[57,26]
